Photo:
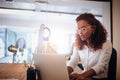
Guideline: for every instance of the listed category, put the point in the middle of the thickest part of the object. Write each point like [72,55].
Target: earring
[93,33]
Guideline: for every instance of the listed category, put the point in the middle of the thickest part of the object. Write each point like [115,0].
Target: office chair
[112,65]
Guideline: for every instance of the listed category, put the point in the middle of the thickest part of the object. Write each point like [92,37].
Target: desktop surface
[10,71]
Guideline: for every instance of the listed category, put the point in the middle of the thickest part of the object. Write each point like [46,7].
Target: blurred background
[23,24]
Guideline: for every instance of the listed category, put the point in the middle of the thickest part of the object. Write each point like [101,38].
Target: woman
[91,48]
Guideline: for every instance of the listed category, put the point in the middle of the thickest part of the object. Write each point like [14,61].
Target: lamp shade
[12,48]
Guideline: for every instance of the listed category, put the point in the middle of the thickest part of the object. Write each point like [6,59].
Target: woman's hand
[84,76]
[76,76]
[70,70]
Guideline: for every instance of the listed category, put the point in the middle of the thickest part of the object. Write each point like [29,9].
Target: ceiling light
[9,0]
[41,2]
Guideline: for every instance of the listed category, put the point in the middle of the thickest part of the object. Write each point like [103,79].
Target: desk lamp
[13,49]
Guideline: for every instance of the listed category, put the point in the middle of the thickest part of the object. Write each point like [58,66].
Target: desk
[12,71]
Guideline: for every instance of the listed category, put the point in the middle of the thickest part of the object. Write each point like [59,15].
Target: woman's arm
[104,59]
[83,76]
[74,59]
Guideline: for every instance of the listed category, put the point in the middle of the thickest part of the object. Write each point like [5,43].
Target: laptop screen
[51,66]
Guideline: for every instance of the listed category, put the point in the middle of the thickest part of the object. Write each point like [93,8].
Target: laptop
[51,66]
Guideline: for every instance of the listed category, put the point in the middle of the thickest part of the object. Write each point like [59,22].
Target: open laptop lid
[51,66]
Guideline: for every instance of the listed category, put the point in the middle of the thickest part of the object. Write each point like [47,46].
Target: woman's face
[85,30]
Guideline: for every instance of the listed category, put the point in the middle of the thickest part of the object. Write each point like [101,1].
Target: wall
[116,32]
[106,18]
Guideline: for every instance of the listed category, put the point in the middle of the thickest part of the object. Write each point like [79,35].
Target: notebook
[51,66]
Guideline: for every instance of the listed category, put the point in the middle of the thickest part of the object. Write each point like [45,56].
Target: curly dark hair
[99,36]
